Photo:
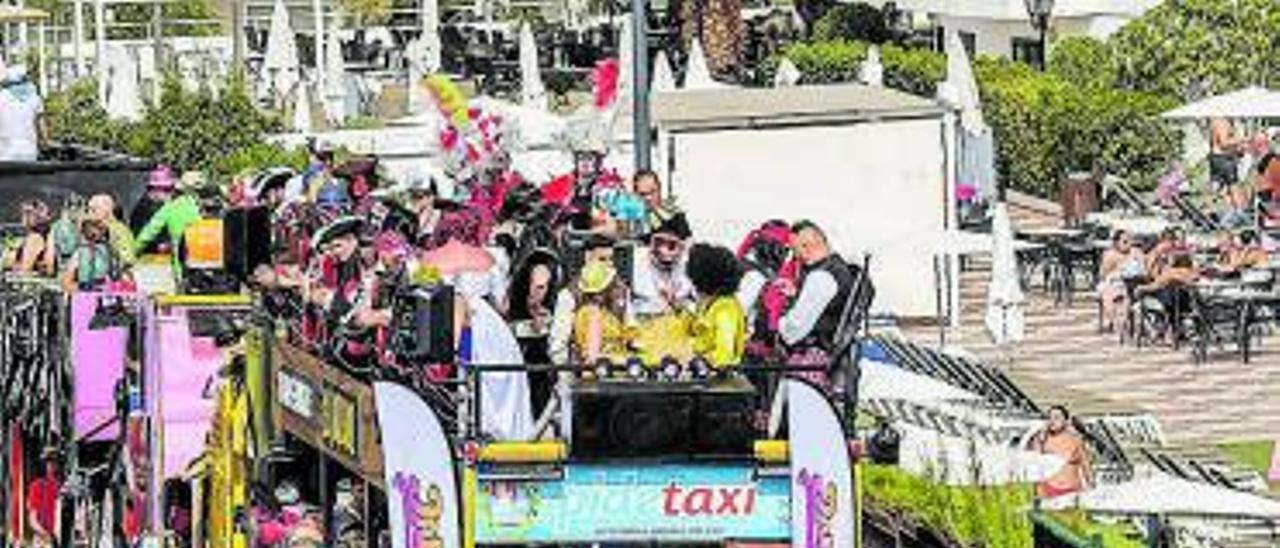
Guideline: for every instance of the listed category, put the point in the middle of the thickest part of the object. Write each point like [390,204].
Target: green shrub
[260,156]
[973,516]
[856,21]
[76,116]
[1083,61]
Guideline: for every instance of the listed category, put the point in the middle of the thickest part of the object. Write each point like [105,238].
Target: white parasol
[335,92]
[626,63]
[698,75]
[532,92]
[431,34]
[1250,102]
[663,77]
[1005,298]
[123,100]
[302,111]
[281,60]
[964,86]
[872,72]
[787,75]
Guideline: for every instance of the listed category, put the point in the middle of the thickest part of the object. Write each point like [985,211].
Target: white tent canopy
[1166,495]
[1250,102]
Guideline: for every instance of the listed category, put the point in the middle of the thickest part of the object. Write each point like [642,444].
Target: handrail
[204,300]
[765,451]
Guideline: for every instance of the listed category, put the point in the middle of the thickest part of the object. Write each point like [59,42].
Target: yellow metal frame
[204,300]
[766,451]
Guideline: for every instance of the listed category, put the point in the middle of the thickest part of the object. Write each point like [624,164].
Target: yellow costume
[720,331]
[613,340]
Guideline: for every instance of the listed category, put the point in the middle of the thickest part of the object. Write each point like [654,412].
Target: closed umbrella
[663,77]
[698,75]
[335,92]
[281,60]
[1005,298]
[123,100]
[626,62]
[431,34]
[787,75]
[872,72]
[302,111]
[964,85]
[532,92]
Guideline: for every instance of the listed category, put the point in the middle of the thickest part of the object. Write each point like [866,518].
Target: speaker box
[422,323]
[248,240]
[626,419]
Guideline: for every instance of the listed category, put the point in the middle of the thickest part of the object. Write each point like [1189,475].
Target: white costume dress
[506,408]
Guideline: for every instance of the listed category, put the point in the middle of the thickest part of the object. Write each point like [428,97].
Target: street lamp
[1040,12]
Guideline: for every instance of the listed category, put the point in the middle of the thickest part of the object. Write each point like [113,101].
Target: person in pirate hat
[661,286]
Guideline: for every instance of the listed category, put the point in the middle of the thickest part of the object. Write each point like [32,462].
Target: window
[1027,50]
[970,41]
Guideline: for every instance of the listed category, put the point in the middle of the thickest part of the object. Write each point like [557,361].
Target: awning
[1250,102]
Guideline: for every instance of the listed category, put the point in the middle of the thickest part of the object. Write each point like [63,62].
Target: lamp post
[1040,11]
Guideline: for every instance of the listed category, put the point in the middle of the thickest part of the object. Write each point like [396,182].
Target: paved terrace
[1063,359]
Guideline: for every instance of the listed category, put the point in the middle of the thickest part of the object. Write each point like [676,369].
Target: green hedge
[1045,125]
[222,133]
[973,516]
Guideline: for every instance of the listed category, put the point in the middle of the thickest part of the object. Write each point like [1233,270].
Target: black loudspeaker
[644,420]
[422,325]
[247,237]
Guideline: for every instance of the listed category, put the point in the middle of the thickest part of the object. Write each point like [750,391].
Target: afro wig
[714,270]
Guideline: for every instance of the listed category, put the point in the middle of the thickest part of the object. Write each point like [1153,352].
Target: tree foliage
[856,21]
[1083,61]
[1188,49]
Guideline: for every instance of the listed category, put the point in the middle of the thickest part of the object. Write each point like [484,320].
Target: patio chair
[1210,324]
[1117,192]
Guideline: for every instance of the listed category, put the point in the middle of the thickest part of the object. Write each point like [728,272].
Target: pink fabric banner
[99,358]
[187,366]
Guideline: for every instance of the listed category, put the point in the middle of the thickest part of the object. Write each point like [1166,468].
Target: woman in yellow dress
[598,329]
[720,327]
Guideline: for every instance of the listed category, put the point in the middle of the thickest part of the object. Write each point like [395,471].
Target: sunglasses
[665,243]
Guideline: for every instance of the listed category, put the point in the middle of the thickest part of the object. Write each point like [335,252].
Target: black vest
[824,331]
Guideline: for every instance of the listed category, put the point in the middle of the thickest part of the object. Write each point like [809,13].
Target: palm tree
[718,24]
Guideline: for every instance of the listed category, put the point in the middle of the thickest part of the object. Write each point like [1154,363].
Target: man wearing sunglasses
[660,286]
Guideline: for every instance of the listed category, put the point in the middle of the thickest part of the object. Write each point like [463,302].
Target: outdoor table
[1246,302]
[1145,226]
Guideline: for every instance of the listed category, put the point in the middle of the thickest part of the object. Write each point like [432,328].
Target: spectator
[1245,252]
[42,503]
[174,217]
[22,127]
[660,286]
[598,322]
[720,327]
[530,301]
[160,190]
[102,208]
[596,248]
[809,326]
[1121,265]
[1224,159]
[1059,438]
[94,263]
[1172,242]
[33,254]
[1165,287]
[649,188]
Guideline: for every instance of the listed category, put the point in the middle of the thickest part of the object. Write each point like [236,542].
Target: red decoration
[605,80]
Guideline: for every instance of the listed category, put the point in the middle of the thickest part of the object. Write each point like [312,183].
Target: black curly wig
[714,270]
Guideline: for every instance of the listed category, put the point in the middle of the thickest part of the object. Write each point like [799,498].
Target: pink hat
[162,179]
[391,242]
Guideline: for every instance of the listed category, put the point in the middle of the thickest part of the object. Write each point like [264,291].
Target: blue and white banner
[423,506]
[822,512]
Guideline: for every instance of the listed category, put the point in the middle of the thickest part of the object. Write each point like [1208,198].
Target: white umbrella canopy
[532,93]
[431,34]
[124,101]
[954,461]
[787,75]
[335,67]
[698,75]
[1250,102]
[281,59]
[872,71]
[302,111]
[626,63]
[964,85]
[1169,496]
[1005,298]
[663,77]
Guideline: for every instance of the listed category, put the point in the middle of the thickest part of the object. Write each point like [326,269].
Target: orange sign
[203,240]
